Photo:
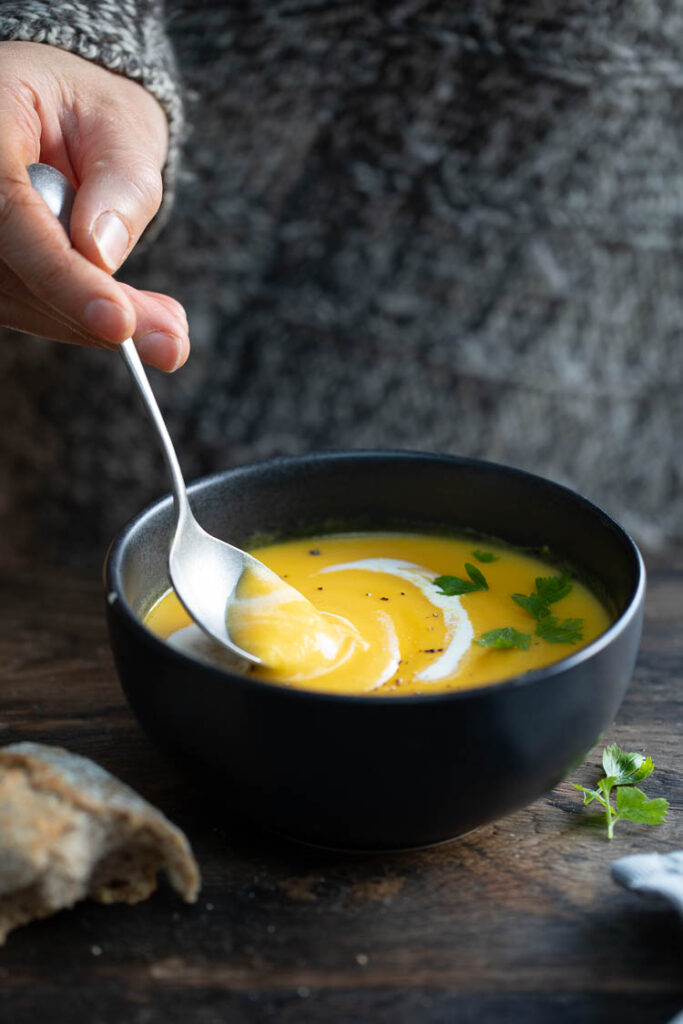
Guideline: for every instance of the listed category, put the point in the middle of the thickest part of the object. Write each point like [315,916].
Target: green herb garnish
[550,589]
[536,607]
[555,632]
[504,639]
[622,771]
[553,588]
[485,556]
[454,586]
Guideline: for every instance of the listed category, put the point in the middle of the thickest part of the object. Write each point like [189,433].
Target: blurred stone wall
[415,225]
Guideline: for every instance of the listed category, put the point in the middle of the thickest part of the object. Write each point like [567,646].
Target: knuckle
[146,181]
[143,183]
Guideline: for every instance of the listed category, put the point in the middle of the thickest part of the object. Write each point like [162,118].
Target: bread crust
[70,830]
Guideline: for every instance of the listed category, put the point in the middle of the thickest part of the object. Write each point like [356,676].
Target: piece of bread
[70,830]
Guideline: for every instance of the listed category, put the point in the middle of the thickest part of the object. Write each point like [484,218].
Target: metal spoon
[204,570]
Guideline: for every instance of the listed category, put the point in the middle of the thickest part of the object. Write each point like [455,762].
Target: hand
[108,135]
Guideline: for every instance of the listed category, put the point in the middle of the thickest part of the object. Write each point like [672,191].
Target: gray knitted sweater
[451,227]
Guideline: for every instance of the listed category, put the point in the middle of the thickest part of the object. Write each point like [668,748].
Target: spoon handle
[130,356]
[59,194]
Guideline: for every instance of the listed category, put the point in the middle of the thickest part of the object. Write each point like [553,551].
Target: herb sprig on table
[622,771]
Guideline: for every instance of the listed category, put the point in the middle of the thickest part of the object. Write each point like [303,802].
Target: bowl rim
[116,597]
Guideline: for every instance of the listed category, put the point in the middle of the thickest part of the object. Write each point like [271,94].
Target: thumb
[120,192]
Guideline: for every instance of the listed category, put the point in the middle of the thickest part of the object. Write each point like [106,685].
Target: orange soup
[393,614]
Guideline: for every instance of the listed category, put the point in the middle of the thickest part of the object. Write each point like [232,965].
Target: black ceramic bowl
[375,773]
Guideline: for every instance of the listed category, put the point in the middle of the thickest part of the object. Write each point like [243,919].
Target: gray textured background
[423,225]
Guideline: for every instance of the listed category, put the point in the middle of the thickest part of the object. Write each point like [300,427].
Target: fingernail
[108,320]
[111,237]
[162,350]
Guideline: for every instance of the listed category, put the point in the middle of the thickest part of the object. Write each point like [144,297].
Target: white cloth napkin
[653,874]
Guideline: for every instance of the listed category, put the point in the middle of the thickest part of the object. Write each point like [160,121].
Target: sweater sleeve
[124,36]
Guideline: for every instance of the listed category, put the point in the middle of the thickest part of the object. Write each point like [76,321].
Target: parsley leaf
[555,632]
[454,586]
[476,575]
[623,770]
[485,556]
[533,604]
[553,588]
[626,768]
[504,639]
[633,805]
[550,589]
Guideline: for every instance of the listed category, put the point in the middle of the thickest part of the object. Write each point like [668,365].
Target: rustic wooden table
[517,922]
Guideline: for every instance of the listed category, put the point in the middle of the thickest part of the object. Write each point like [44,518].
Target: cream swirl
[459,632]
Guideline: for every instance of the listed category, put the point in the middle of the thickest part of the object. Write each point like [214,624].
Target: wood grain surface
[517,922]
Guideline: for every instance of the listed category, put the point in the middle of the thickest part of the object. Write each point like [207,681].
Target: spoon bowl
[205,572]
